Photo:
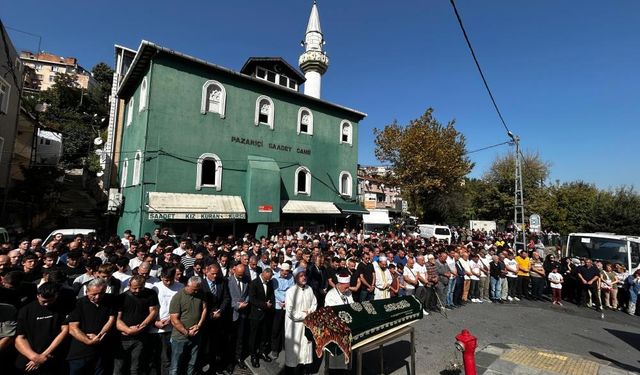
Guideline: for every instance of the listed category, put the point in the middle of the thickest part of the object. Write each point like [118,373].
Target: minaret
[313,62]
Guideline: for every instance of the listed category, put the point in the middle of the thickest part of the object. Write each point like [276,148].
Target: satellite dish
[98,151]
[97,141]
[100,174]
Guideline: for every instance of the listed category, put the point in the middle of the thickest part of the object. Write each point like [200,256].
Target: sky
[565,74]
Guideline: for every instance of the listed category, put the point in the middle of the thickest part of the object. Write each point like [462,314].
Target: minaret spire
[314,61]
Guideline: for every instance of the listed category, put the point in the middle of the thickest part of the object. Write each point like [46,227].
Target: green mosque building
[212,150]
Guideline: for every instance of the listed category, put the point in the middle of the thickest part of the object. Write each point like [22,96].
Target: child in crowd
[556,280]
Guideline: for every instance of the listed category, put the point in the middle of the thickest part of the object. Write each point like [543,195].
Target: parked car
[67,234]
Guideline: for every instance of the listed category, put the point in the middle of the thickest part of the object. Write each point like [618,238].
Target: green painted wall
[173,133]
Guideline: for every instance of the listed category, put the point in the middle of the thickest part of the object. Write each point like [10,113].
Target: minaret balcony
[314,60]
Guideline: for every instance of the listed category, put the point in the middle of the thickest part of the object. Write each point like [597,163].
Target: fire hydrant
[467,343]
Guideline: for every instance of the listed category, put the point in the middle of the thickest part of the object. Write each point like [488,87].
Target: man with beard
[299,302]
[137,310]
[340,295]
[41,332]
[383,279]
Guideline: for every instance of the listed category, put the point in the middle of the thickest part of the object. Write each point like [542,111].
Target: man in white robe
[299,302]
[383,280]
[340,295]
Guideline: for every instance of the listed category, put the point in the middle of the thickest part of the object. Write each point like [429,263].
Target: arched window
[346,132]
[305,121]
[125,173]
[346,184]
[143,95]
[130,111]
[302,181]
[264,111]
[137,166]
[214,98]
[209,173]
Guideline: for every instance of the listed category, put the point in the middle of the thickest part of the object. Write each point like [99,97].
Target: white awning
[376,217]
[309,207]
[174,206]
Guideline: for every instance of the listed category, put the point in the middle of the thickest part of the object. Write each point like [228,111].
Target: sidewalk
[516,359]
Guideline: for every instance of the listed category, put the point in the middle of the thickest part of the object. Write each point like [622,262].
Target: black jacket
[258,299]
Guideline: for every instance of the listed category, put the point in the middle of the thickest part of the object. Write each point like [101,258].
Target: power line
[475,59]
[488,147]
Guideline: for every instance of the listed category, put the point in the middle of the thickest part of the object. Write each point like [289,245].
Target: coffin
[341,329]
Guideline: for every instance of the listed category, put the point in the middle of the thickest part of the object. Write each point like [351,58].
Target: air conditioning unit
[115,200]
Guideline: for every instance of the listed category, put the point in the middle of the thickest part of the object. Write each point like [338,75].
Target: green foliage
[429,163]
[38,188]
[79,114]
[569,207]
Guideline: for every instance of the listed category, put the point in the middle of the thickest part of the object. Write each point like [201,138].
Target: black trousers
[457,291]
[259,335]
[523,286]
[211,349]
[160,353]
[277,331]
[537,287]
[237,330]
[512,283]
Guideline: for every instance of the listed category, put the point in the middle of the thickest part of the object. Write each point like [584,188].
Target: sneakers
[516,299]
[560,303]
[425,312]
[510,299]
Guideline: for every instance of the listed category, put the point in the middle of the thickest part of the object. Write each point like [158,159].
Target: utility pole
[518,207]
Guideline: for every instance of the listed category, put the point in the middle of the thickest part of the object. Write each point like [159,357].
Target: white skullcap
[344,279]
[285,266]
[382,258]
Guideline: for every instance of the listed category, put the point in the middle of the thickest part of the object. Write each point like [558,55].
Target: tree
[497,199]
[429,163]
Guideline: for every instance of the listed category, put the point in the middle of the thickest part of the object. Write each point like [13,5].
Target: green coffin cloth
[359,321]
[351,208]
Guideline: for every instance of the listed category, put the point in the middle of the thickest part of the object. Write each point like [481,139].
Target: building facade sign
[195,216]
[272,146]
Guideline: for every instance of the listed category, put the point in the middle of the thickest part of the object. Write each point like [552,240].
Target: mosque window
[302,181]
[214,98]
[346,184]
[305,121]
[264,111]
[209,172]
[346,132]
[143,95]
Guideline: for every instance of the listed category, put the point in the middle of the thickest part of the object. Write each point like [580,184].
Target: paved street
[568,329]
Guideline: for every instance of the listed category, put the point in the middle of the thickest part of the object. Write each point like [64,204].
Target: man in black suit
[239,293]
[216,293]
[261,300]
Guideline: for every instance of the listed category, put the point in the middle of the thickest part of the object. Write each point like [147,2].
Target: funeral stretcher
[344,328]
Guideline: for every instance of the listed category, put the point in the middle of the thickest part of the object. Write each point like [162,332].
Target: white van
[67,234]
[440,232]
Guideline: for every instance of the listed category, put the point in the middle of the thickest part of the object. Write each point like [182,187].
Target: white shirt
[452,267]
[135,262]
[467,267]
[555,279]
[164,298]
[409,274]
[179,251]
[419,270]
[511,263]
[475,270]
